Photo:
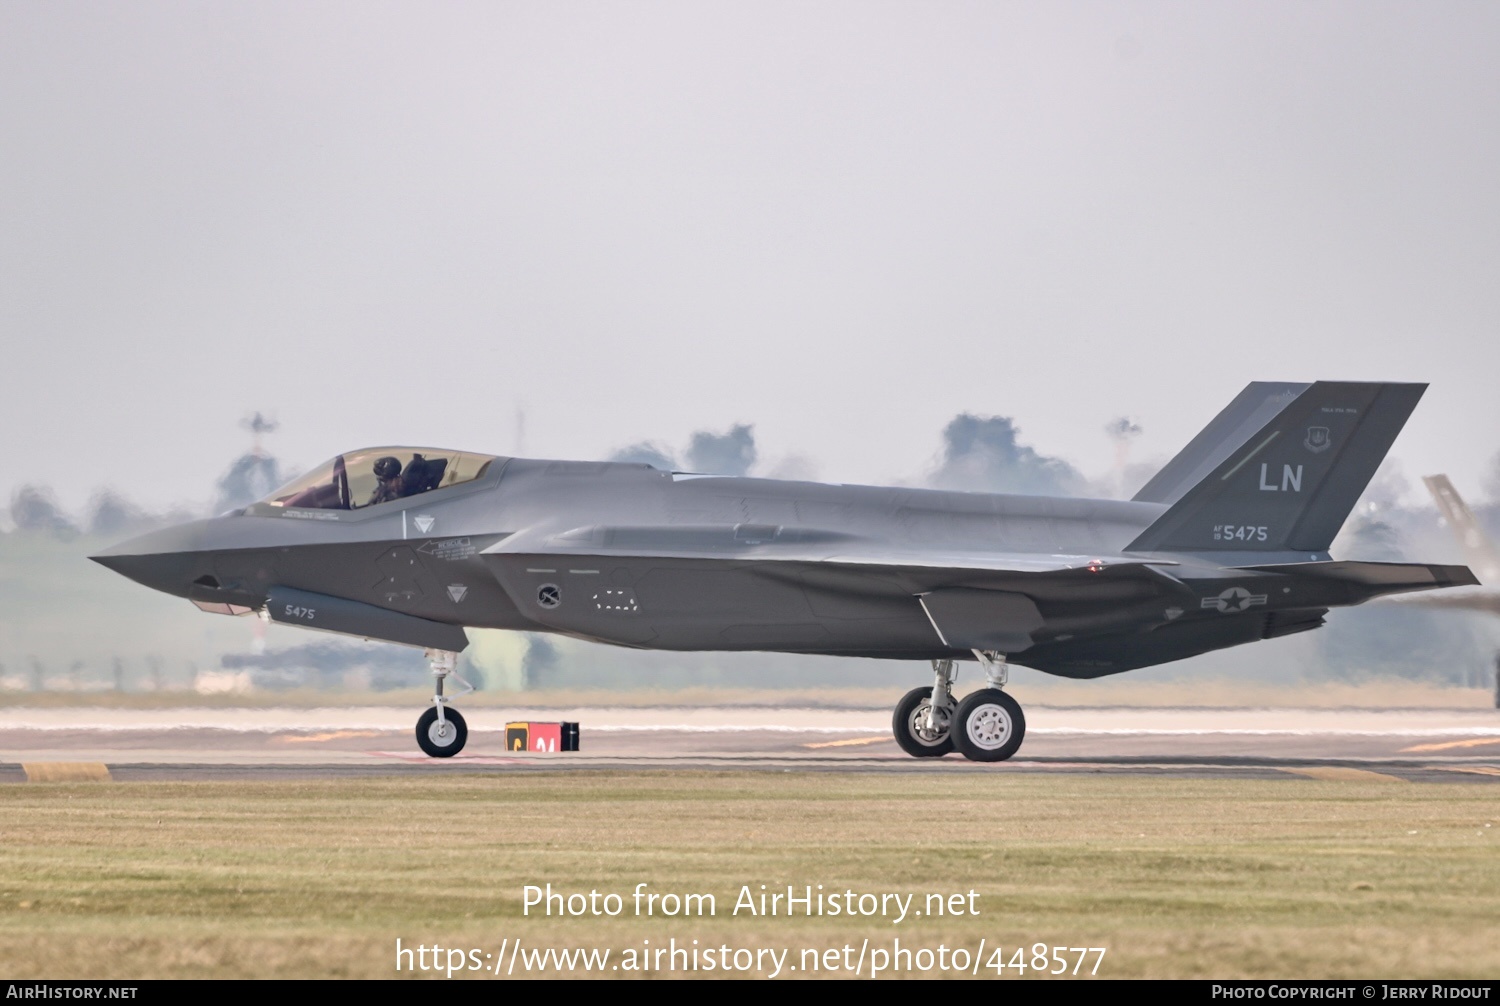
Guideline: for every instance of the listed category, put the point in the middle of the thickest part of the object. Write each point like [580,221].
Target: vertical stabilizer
[1291,484]
[1251,409]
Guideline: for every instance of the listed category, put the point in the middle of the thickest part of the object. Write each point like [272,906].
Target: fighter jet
[1228,544]
[1478,549]
[1477,546]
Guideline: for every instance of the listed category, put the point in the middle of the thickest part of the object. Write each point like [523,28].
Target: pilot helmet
[387,468]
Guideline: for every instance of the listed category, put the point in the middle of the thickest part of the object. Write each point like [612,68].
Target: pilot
[388,471]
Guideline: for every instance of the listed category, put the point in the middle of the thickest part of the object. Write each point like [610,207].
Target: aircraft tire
[434,743]
[903,725]
[988,726]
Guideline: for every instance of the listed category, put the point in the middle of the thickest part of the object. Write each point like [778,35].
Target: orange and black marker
[531,736]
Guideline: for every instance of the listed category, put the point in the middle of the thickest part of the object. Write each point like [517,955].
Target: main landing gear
[923,716]
[441,731]
[986,726]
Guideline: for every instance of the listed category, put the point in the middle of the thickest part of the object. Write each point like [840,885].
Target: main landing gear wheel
[909,724]
[442,738]
[988,726]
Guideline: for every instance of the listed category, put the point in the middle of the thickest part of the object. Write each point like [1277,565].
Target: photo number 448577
[1043,959]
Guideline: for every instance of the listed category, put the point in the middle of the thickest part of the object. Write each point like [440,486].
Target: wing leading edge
[742,544]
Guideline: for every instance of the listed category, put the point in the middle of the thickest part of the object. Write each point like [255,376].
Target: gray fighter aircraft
[1478,549]
[1228,544]
[1477,546]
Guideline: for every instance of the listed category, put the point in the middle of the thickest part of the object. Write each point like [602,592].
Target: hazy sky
[841,222]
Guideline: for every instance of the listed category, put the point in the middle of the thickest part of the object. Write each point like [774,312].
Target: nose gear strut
[441,731]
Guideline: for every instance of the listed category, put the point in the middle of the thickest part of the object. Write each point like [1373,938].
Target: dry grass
[1187,878]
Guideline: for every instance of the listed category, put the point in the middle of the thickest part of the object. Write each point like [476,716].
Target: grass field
[1177,878]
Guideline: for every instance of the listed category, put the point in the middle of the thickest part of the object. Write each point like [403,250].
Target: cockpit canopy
[379,475]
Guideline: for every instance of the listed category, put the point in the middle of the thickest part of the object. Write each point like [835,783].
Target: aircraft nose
[167,560]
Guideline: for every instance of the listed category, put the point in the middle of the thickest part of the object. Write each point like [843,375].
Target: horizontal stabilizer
[1372,579]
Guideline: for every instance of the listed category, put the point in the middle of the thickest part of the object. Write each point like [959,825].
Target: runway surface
[1417,745]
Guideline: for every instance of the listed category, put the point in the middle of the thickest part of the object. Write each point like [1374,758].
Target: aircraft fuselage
[634,556]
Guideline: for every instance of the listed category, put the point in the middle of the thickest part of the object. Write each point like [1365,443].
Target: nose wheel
[441,731]
[442,738]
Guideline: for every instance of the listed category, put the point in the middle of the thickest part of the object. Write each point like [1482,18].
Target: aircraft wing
[756,544]
[973,599]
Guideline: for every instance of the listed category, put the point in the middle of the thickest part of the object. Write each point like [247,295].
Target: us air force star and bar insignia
[1234,599]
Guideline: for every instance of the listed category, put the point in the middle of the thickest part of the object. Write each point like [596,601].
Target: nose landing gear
[442,738]
[441,731]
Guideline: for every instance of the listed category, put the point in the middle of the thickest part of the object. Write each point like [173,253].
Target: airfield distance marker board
[532,736]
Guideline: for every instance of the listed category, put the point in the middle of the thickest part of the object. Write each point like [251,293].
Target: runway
[1417,745]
